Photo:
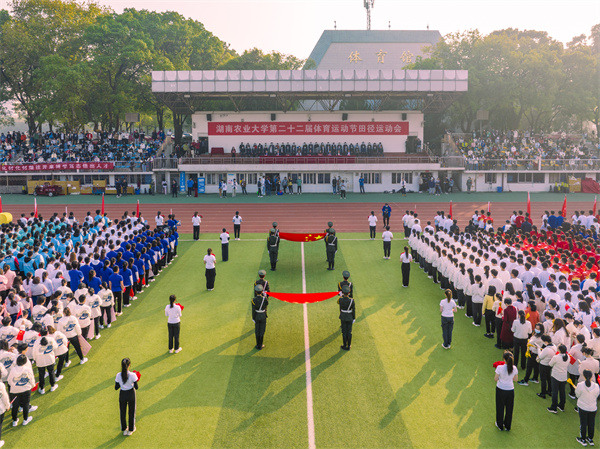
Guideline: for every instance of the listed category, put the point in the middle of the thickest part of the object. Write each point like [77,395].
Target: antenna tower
[369,4]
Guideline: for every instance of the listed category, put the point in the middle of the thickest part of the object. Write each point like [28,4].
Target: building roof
[429,37]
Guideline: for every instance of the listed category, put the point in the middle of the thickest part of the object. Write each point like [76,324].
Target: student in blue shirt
[127,276]
[107,271]
[116,285]
[75,276]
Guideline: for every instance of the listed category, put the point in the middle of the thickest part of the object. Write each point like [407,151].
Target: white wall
[391,143]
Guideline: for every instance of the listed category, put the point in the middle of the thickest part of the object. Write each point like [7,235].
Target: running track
[299,217]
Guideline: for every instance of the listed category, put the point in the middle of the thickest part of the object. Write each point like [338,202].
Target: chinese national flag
[1,205]
[303,298]
[564,207]
[594,210]
[292,237]
[137,210]
[102,210]
[450,214]
[35,214]
[528,204]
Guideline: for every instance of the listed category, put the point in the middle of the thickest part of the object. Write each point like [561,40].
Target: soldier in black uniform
[273,248]
[329,226]
[347,317]
[276,234]
[331,248]
[346,282]
[262,281]
[259,315]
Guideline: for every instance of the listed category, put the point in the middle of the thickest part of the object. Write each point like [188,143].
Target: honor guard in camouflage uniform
[262,281]
[259,315]
[346,282]
[331,248]
[273,247]
[347,317]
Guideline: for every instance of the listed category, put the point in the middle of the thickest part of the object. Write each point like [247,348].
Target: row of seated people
[508,146]
[310,149]
[86,152]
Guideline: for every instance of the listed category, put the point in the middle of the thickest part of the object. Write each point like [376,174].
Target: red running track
[297,217]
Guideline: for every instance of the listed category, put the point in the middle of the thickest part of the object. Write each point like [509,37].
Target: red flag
[498,363]
[180,306]
[131,294]
[35,208]
[303,298]
[0,204]
[137,373]
[528,204]
[35,387]
[564,207]
[302,237]
[102,204]
[450,214]
[137,211]
[594,211]
[85,346]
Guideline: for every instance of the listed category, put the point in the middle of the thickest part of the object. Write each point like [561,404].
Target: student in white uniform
[210,272]
[21,380]
[373,225]
[127,382]
[237,225]
[387,237]
[44,356]
[196,220]
[173,314]
[447,309]
[224,245]
[4,406]
[587,395]
[506,376]
[406,259]
[559,364]
[61,351]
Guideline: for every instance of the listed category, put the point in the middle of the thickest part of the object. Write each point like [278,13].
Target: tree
[36,29]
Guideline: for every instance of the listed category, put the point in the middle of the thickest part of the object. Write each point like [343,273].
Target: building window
[490,178]
[397,178]
[308,178]
[324,178]
[372,177]
[539,178]
[214,178]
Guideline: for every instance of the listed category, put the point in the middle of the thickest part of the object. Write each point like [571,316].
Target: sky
[294,26]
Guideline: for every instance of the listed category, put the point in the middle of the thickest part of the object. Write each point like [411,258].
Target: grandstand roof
[433,89]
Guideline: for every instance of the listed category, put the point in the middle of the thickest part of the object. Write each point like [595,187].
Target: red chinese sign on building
[308,128]
[58,166]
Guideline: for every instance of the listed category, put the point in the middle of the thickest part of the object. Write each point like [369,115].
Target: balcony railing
[570,165]
[302,160]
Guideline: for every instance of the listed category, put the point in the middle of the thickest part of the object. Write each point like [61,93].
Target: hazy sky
[294,26]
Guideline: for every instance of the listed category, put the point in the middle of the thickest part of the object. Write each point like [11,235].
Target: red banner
[302,298]
[303,237]
[59,166]
[308,128]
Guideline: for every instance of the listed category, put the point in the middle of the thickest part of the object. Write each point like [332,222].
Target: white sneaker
[42,391]
[108,326]
[101,326]
[126,433]
[61,377]
[98,336]
[33,408]
[27,421]
[15,423]
[134,298]
[171,351]
[54,387]
[1,443]
[131,431]
[83,361]
[178,350]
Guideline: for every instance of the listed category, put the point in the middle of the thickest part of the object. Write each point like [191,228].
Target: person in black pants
[224,245]
[21,381]
[196,220]
[237,224]
[259,315]
[127,382]
[406,259]
[347,317]
[506,376]
[173,314]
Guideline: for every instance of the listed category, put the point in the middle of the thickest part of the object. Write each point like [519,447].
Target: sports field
[397,387]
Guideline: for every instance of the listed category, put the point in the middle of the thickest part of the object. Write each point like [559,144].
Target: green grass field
[397,387]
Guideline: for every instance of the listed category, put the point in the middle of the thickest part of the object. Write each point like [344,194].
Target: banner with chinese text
[58,166]
[308,128]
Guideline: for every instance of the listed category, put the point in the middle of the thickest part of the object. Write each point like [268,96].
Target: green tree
[35,30]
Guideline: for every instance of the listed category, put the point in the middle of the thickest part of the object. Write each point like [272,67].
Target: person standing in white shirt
[224,245]
[196,220]
[4,406]
[159,220]
[372,225]
[506,376]
[387,237]
[406,259]
[587,396]
[237,224]
[127,382]
[173,314]
[447,309]
[210,271]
